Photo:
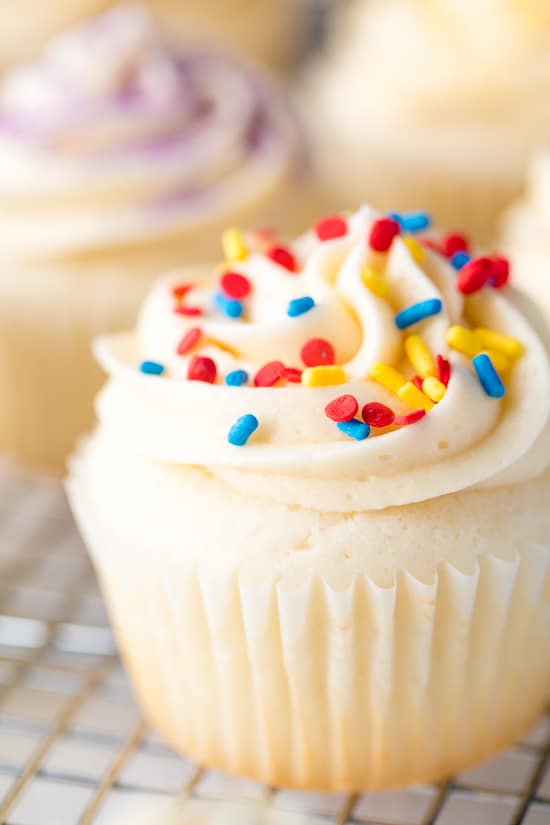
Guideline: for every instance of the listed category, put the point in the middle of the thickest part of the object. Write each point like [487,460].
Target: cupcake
[121,154]
[440,103]
[318,508]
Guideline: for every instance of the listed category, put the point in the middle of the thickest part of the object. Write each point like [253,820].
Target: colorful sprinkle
[202,368]
[474,275]
[284,257]
[317,352]
[453,243]
[343,408]
[464,340]
[180,290]
[378,415]
[488,376]
[460,259]
[354,429]
[333,226]
[417,381]
[443,369]
[418,253]
[242,429]
[188,311]
[434,388]
[234,245]
[389,377]
[415,221]
[414,397]
[299,306]
[409,418]
[269,374]
[500,275]
[375,282]
[151,368]
[236,378]
[503,343]
[418,312]
[235,285]
[323,376]
[293,375]
[382,233]
[420,356]
[189,340]
[229,306]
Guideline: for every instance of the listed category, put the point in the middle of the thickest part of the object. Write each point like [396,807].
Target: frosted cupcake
[439,102]
[121,155]
[317,503]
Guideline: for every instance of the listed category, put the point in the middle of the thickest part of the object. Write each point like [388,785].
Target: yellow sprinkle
[417,250]
[420,356]
[464,340]
[233,245]
[375,282]
[416,399]
[490,339]
[434,388]
[500,362]
[388,377]
[323,376]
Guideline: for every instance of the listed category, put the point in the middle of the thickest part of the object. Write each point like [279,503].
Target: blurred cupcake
[438,102]
[121,155]
[319,509]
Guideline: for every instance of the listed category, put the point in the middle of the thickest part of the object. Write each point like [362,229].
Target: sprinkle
[262,237]
[354,429]
[188,311]
[433,388]
[317,352]
[331,227]
[323,376]
[235,285]
[230,307]
[412,396]
[460,259]
[414,221]
[420,356]
[503,343]
[429,243]
[343,408]
[417,251]
[389,377]
[474,275]
[500,275]
[378,415]
[443,369]
[299,306]
[464,340]
[409,418]
[189,340]
[269,374]
[236,378]
[151,368]
[242,429]
[284,257]
[233,245]
[382,233]
[453,243]
[417,381]
[375,282]
[488,376]
[181,290]
[292,375]
[202,368]
[500,362]
[418,312]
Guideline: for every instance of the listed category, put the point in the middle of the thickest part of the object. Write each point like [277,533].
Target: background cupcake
[121,154]
[319,513]
[439,102]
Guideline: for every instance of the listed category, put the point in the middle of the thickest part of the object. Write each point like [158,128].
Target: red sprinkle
[417,381]
[262,237]
[331,227]
[433,245]
[500,274]
[189,340]
[343,408]
[183,310]
[202,368]
[292,375]
[235,285]
[269,374]
[409,418]
[382,233]
[454,243]
[378,415]
[474,275]
[317,353]
[443,368]
[284,257]
[181,290]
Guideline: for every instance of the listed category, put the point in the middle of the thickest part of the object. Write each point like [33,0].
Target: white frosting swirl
[298,455]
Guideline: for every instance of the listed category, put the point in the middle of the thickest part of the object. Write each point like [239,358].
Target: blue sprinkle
[230,307]
[398,218]
[242,429]
[418,312]
[236,378]
[415,221]
[488,376]
[300,305]
[460,259]
[151,368]
[354,429]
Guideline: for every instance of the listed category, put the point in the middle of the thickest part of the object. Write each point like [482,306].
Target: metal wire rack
[74,751]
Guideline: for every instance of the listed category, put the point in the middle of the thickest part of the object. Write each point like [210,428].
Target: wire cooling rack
[74,751]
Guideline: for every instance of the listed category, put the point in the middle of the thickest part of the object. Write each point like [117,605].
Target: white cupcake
[122,154]
[338,606]
[439,102]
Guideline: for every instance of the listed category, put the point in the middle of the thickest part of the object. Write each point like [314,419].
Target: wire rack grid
[74,750]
